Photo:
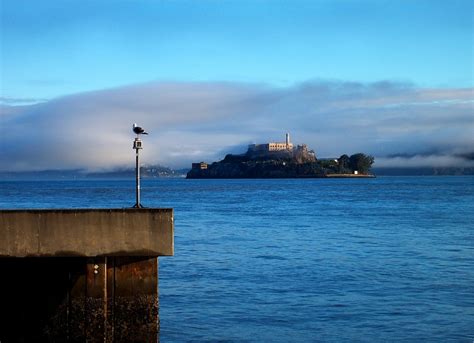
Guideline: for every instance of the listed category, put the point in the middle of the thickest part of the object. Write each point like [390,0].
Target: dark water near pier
[386,259]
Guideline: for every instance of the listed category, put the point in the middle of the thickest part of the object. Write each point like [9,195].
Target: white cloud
[420,161]
[201,121]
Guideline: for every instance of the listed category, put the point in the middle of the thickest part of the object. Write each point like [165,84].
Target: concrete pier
[82,275]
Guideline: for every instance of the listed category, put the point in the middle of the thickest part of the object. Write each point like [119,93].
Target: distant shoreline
[341,176]
[98,179]
[283,177]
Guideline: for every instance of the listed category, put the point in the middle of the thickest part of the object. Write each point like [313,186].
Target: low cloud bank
[200,121]
[423,161]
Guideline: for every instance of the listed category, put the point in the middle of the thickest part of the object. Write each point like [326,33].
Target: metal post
[137,145]
[137,175]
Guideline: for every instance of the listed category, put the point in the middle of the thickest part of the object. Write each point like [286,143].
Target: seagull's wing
[139,130]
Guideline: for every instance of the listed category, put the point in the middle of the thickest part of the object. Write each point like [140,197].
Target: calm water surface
[386,259]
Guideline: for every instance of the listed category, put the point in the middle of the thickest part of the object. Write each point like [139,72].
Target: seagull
[138,130]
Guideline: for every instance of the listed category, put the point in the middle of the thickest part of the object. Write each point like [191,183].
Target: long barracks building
[273,146]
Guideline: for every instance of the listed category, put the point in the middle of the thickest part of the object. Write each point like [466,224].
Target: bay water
[293,260]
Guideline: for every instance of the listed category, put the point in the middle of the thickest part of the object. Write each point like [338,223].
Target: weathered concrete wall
[88,232]
[82,275]
[69,299]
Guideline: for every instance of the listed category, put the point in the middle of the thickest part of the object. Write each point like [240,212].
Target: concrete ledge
[86,232]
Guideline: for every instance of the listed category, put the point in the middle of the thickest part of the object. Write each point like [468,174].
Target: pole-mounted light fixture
[137,145]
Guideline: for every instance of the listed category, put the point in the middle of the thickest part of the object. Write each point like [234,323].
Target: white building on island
[273,146]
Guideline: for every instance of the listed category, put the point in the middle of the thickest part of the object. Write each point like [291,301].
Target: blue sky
[207,77]
[53,48]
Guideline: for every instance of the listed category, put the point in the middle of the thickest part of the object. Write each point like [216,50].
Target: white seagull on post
[138,130]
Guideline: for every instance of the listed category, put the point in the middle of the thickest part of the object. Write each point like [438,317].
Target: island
[283,160]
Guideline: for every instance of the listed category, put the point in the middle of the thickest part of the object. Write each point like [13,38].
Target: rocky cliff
[295,163]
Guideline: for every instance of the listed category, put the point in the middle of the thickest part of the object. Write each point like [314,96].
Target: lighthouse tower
[288,141]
